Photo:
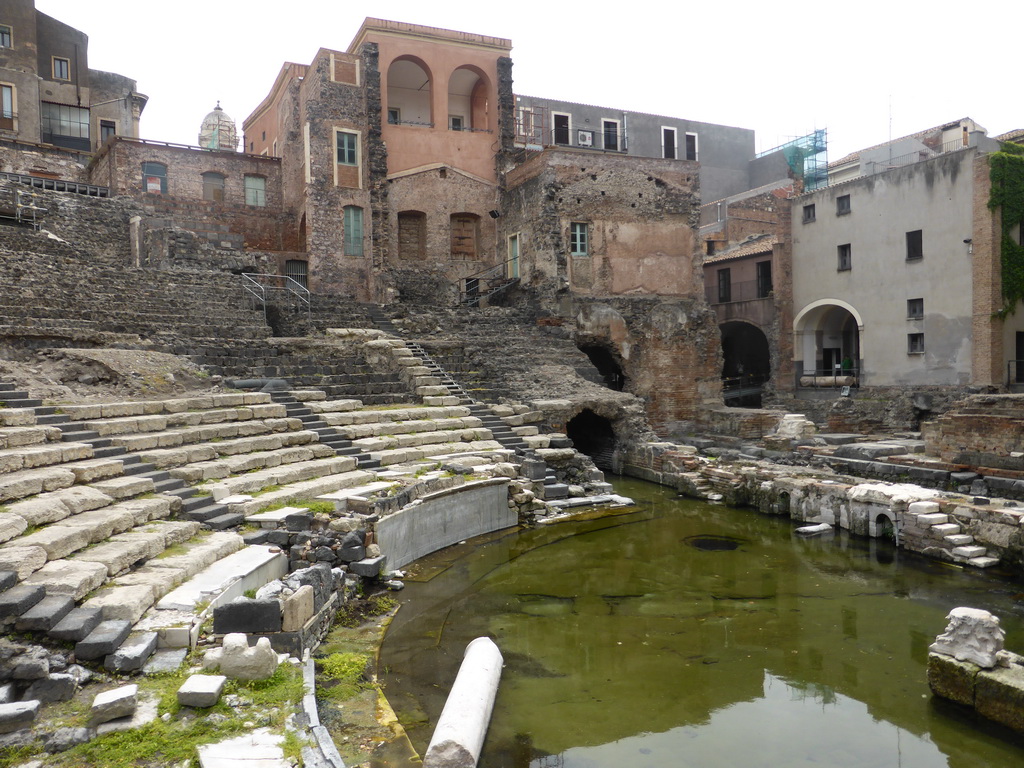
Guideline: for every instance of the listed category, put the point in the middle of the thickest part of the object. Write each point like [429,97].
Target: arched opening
[606,364]
[412,234]
[828,340]
[468,106]
[883,527]
[593,435]
[408,93]
[747,364]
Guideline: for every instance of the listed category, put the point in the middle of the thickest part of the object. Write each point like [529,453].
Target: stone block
[166,660]
[105,639]
[30,666]
[127,603]
[57,541]
[112,704]
[952,679]
[297,609]
[16,600]
[45,614]
[928,520]
[201,690]
[238,660]
[69,577]
[8,693]
[369,567]
[11,526]
[999,695]
[132,654]
[14,717]
[60,686]
[246,615]
[77,624]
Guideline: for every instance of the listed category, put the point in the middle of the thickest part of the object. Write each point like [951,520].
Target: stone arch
[603,336]
[825,333]
[469,92]
[608,365]
[746,362]
[408,96]
[594,436]
[883,526]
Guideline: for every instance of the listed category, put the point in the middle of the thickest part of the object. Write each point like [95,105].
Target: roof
[855,156]
[1015,136]
[755,245]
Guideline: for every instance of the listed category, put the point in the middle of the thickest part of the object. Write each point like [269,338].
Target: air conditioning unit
[585,138]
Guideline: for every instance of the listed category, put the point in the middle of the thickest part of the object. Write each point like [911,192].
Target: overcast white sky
[866,71]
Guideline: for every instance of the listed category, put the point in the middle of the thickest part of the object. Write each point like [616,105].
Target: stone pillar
[460,732]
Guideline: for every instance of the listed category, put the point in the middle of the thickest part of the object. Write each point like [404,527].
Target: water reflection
[624,646]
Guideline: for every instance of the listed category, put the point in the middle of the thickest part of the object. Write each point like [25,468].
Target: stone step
[306,489]
[946,529]
[959,540]
[204,434]
[969,552]
[229,577]
[287,474]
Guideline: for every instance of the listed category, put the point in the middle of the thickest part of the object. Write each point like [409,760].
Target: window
[764,279]
[213,186]
[610,129]
[5,36]
[579,238]
[691,146]
[724,286]
[915,343]
[668,143]
[915,245]
[915,309]
[7,107]
[456,123]
[154,178]
[65,126]
[512,264]
[61,68]
[394,115]
[842,205]
[808,213]
[108,128]
[255,191]
[298,271]
[561,124]
[845,257]
[348,148]
[353,230]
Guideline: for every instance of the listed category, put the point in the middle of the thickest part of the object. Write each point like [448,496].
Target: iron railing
[487,282]
[261,286]
[58,185]
[747,290]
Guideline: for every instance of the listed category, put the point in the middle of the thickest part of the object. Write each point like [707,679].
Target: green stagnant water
[686,634]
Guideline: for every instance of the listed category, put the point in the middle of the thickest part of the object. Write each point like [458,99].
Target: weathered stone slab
[247,615]
[125,603]
[118,555]
[132,654]
[297,609]
[369,567]
[101,524]
[56,541]
[19,485]
[11,526]
[14,717]
[112,704]
[91,470]
[165,660]
[201,690]
[125,487]
[73,578]
[16,600]
[45,614]
[40,510]
[60,686]
[83,498]
[952,679]
[144,510]
[159,580]
[104,639]
[999,695]
[78,624]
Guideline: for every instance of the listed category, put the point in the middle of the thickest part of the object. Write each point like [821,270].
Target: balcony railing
[748,290]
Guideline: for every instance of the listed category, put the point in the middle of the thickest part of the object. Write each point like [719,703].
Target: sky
[866,72]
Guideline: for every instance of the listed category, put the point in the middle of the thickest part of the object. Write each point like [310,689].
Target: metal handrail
[258,288]
[498,271]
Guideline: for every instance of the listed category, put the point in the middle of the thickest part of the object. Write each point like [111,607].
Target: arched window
[409,86]
[154,178]
[213,186]
[353,230]
[468,107]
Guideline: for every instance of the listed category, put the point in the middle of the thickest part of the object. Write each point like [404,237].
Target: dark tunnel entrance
[593,435]
[607,366]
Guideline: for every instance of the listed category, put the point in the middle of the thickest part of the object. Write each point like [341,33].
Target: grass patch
[343,675]
[268,489]
[174,741]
